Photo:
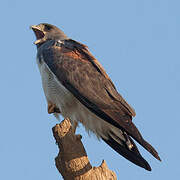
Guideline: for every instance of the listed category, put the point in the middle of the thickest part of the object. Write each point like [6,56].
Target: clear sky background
[137,42]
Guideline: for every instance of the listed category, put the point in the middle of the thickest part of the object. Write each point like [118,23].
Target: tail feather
[132,155]
[144,143]
[150,149]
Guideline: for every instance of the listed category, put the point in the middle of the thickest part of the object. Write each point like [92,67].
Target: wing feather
[84,77]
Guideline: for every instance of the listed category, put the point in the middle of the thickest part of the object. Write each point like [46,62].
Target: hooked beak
[39,34]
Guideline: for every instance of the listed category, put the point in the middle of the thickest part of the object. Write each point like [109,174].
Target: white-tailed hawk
[76,85]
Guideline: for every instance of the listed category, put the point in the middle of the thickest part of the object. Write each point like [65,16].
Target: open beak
[39,33]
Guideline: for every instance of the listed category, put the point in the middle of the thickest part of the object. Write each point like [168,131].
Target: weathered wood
[72,161]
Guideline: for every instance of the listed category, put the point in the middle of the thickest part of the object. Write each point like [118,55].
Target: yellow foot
[52,108]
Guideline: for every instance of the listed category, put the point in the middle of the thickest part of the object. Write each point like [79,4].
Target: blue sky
[138,44]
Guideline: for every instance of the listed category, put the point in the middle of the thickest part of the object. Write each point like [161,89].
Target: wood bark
[72,161]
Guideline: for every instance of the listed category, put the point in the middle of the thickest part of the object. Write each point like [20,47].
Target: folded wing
[84,77]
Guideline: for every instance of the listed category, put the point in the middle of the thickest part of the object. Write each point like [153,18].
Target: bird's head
[46,32]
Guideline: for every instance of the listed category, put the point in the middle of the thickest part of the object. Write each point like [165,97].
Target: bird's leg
[52,108]
[74,126]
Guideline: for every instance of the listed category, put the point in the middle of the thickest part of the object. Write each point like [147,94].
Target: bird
[77,87]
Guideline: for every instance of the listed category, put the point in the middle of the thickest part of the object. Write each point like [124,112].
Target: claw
[52,108]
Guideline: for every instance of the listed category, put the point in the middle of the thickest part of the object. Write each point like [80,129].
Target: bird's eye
[47,27]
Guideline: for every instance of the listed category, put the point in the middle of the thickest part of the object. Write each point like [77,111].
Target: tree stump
[72,161]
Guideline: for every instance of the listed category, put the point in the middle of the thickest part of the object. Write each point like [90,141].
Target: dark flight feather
[132,155]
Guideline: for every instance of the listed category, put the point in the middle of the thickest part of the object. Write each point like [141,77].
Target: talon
[78,137]
[52,108]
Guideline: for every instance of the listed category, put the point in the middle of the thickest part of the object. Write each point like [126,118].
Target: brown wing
[84,77]
[83,52]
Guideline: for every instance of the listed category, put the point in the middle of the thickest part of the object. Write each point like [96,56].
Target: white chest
[54,91]
[69,106]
